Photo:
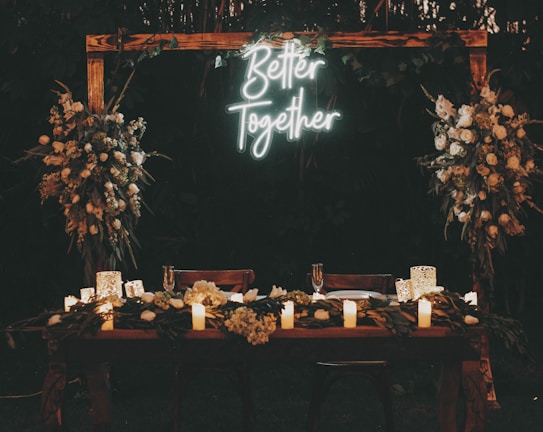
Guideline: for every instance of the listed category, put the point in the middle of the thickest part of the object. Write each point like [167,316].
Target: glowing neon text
[255,118]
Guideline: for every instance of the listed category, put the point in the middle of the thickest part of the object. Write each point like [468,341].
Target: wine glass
[168,280]
[317,277]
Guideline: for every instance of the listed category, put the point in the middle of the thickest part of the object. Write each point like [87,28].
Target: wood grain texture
[236,40]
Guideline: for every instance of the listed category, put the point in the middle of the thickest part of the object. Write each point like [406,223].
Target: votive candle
[349,313]
[471,298]
[425,313]
[69,301]
[134,288]
[86,294]
[198,316]
[107,311]
[287,315]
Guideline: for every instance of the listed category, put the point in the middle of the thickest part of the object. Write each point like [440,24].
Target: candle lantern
[109,283]
[87,294]
[134,288]
[423,280]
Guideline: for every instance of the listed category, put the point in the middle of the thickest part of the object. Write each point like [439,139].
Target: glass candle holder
[134,288]
[422,278]
[109,283]
[403,289]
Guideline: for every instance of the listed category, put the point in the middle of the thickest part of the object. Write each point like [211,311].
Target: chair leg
[383,385]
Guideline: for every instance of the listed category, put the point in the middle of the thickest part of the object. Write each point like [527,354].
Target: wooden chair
[227,280]
[326,373]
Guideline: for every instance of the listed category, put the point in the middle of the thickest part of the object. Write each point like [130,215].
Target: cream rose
[521,133]
[65,173]
[78,107]
[440,142]
[93,229]
[499,131]
[177,303]
[44,140]
[443,175]
[103,157]
[148,297]
[467,136]
[491,159]
[456,149]
[513,163]
[133,189]
[485,216]
[116,224]
[85,173]
[148,315]
[507,111]
[87,147]
[444,108]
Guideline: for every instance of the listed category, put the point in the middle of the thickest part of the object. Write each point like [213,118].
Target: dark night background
[354,199]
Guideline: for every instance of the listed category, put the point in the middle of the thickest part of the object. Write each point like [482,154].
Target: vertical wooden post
[477,64]
[95,81]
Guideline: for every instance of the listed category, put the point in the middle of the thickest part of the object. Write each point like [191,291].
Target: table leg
[451,374]
[100,396]
[52,396]
[475,393]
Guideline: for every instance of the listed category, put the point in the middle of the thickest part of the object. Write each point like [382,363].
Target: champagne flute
[317,277]
[168,278]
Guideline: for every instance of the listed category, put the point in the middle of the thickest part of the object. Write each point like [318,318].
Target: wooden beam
[233,41]
[476,42]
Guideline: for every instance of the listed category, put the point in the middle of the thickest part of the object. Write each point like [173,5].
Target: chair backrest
[227,280]
[381,282]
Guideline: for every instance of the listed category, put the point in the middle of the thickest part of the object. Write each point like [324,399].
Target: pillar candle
[425,313]
[349,313]
[198,316]
[287,315]
[69,301]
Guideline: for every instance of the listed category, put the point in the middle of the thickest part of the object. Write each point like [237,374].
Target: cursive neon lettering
[290,66]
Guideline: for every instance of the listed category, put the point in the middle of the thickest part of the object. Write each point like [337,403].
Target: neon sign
[258,115]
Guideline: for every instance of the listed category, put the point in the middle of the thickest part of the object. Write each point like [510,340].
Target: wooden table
[459,355]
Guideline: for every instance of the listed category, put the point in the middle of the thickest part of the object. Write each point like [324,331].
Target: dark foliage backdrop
[354,198]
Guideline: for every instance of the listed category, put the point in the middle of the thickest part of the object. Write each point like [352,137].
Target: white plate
[354,294]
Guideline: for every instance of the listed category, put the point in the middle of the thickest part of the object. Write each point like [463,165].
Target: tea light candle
[198,316]
[86,294]
[287,315]
[425,313]
[318,296]
[237,297]
[107,311]
[349,313]
[69,301]
[134,288]
[471,298]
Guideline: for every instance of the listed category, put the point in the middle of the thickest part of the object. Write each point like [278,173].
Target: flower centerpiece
[94,169]
[483,169]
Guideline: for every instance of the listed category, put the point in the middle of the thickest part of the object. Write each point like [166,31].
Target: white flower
[513,163]
[277,292]
[116,224]
[444,108]
[467,136]
[85,173]
[443,175]
[464,121]
[250,295]
[108,186]
[103,157]
[120,156]
[463,217]
[148,315]
[138,157]
[456,149]
[133,189]
[54,319]
[465,110]
[491,159]
[485,216]
[440,142]
[65,173]
[521,133]
[87,147]
[488,95]
[93,229]
[89,208]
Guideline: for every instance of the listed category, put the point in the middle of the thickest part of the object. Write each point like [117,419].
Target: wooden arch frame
[97,45]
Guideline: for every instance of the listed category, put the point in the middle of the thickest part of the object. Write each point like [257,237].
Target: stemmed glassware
[168,278]
[317,277]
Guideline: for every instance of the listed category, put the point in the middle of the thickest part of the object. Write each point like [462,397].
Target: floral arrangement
[94,169]
[170,315]
[206,293]
[483,170]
